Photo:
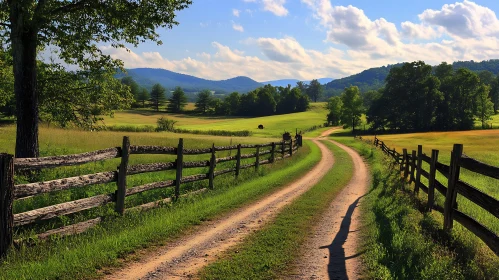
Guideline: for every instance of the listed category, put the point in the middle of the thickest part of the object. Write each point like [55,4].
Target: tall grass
[83,256]
[400,242]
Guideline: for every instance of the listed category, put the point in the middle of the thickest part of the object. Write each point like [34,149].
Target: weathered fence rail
[412,169]
[10,192]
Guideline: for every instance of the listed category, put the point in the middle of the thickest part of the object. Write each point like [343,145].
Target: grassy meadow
[274,125]
[400,242]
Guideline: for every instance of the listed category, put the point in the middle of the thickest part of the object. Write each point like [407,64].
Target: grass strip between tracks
[267,253]
[83,256]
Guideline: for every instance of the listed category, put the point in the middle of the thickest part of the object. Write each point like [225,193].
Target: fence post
[450,197]
[413,165]
[431,180]
[6,201]
[179,163]
[272,153]
[238,160]
[418,168]
[283,146]
[121,191]
[291,147]
[257,161]
[213,162]
[406,166]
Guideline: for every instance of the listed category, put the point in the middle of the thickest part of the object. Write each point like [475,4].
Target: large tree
[157,96]
[334,105]
[203,102]
[351,109]
[177,102]
[75,27]
[314,90]
[485,107]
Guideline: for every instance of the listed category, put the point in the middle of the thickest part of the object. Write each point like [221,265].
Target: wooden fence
[411,167]
[10,192]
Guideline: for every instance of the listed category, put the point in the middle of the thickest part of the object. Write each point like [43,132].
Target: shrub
[165,124]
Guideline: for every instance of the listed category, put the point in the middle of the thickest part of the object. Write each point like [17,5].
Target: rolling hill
[147,77]
[374,78]
[292,82]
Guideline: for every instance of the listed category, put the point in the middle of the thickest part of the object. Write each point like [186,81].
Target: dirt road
[185,256]
[331,251]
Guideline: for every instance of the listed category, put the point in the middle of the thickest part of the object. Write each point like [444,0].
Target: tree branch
[5,24]
[70,7]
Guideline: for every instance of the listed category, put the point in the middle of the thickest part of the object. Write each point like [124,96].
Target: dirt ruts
[332,249]
[185,256]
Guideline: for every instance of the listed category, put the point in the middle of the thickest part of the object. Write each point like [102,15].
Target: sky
[308,39]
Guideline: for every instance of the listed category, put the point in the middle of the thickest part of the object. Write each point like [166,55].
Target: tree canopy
[75,28]
[177,102]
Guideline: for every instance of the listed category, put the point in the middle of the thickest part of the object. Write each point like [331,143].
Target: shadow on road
[336,267]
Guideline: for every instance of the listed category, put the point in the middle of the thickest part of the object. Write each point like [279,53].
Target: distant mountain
[147,77]
[292,82]
[374,78]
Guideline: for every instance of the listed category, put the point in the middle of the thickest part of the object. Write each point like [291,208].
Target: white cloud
[465,20]
[274,6]
[415,31]
[237,27]
[356,42]
[236,12]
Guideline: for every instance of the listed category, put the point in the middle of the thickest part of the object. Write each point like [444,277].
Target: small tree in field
[143,96]
[485,107]
[352,107]
[177,102]
[157,96]
[204,100]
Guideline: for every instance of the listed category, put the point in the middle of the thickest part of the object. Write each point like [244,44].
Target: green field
[274,125]
[479,144]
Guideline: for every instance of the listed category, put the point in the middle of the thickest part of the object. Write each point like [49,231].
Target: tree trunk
[24,43]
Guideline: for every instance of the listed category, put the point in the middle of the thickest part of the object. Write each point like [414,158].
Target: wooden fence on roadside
[9,192]
[411,166]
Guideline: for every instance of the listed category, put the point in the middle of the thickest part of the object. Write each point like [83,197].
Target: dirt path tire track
[187,255]
[331,251]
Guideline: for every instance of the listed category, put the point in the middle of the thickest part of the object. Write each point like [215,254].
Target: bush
[165,124]
[131,128]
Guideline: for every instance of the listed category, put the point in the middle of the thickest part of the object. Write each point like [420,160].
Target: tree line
[263,101]
[419,97]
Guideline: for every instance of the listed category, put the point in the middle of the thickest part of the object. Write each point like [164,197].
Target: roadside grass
[479,144]
[83,256]
[401,242]
[266,254]
[274,125]
[59,141]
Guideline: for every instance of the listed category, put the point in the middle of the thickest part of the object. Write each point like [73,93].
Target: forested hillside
[374,78]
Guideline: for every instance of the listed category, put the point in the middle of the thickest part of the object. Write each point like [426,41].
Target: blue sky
[306,39]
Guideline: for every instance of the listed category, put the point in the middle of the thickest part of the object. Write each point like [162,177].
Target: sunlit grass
[274,125]
[400,242]
[82,256]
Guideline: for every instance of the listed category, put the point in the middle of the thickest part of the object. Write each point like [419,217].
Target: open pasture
[274,126]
